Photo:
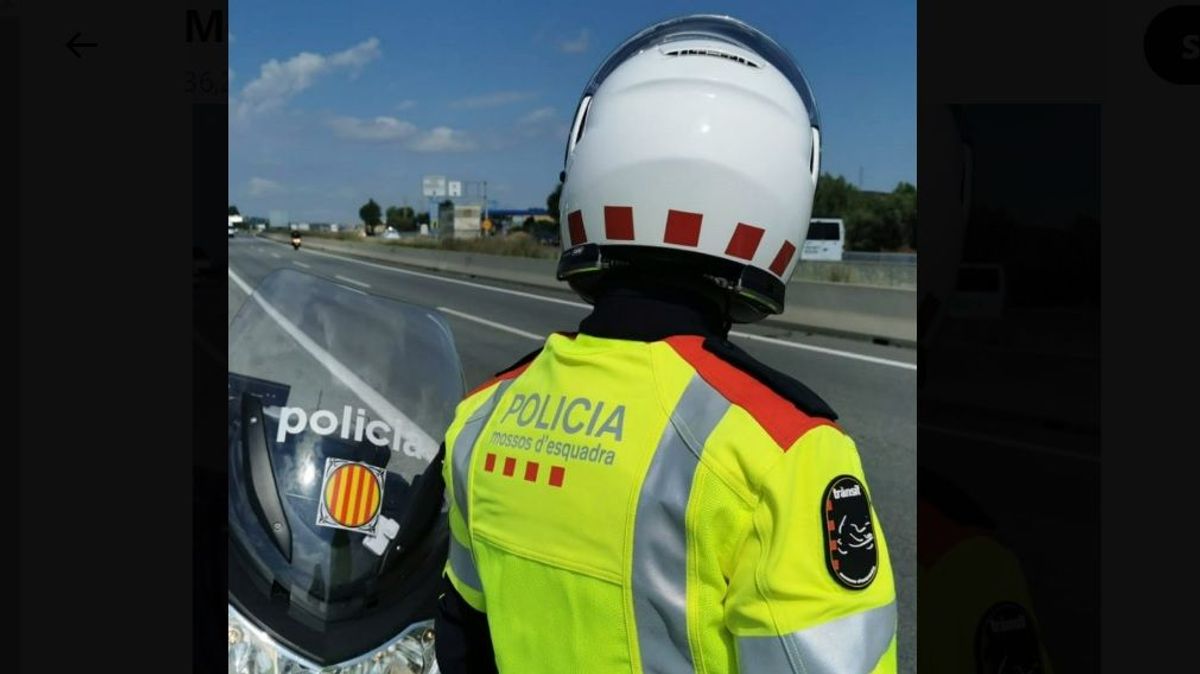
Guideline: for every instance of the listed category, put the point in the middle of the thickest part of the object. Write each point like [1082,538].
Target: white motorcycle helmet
[695,146]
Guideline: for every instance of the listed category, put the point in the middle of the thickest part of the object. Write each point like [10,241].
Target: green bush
[875,221]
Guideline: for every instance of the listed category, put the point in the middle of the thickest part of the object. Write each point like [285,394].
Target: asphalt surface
[872,387]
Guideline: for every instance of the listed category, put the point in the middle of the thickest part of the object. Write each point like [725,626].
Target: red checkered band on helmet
[618,222]
[575,228]
[683,228]
[782,258]
[744,242]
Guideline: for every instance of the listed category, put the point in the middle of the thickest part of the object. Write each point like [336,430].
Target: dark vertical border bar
[10,195]
[1008,414]
[1010,395]
[1151,172]
[210,358]
[105,324]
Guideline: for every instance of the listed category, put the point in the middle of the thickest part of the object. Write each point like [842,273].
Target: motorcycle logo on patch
[1006,642]
[850,552]
[351,494]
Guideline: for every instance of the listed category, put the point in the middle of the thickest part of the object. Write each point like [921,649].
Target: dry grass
[340,236]
[839,274]
[518,244]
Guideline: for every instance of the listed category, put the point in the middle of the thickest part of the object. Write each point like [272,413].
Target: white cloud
[261,187]
[231,39]
[380,129]
[407,104]
[231,74]
[442,139]
[278,83]
[536,116]
[357,56]
[492,100]
[540,123]
[576,46]
[392,130]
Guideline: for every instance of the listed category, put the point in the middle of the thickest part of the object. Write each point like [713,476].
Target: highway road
[872,387]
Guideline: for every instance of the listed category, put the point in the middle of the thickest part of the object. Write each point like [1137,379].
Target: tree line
[875,221]
[399,218]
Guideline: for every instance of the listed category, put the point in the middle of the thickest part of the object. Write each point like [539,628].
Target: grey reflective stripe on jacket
[462,560]
[850,645]
[464,565]
[660,537]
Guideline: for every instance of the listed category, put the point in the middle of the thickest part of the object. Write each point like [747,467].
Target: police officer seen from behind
[643,496]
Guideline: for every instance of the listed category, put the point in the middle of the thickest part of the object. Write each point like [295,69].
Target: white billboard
[455,188]
[466,221]
[434,186]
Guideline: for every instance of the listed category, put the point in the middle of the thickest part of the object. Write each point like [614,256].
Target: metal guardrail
[882,258]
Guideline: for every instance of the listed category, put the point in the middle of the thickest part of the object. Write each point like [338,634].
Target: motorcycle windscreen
[337,402]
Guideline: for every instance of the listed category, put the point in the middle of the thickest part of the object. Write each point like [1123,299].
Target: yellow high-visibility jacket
[626,506]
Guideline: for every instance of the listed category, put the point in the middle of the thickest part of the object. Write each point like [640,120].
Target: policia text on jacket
[572,425]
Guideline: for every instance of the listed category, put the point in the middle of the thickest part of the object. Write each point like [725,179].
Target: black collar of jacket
[645,313]
[640,311]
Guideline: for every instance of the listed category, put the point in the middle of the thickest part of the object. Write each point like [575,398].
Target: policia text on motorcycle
[642,495]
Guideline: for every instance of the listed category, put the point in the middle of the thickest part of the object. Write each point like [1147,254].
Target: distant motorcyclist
[296,239]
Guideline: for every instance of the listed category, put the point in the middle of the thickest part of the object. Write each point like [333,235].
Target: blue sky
[335,102]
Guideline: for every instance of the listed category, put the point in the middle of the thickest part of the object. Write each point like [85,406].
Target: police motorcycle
[337,403]
[295,240]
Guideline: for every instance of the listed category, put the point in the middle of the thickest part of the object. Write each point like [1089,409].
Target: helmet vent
[713,52]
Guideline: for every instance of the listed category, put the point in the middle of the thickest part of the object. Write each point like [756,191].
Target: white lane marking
[1004,442]
[493,324]
[240,283]
[435,277]
[275,255]
[821,349]
[301,264]
[350,280]
[770,340]
[426,446]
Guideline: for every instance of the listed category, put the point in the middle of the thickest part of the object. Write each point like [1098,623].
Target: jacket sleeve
[460,562]
[811,588]
[462,640]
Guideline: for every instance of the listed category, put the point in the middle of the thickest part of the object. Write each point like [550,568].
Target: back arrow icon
[72,44]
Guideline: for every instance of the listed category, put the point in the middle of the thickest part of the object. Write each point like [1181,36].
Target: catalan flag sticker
[351,495]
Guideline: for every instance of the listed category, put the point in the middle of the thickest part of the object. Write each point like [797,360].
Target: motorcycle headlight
[253,651]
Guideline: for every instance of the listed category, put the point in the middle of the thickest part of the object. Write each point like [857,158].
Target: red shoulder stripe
[781,419]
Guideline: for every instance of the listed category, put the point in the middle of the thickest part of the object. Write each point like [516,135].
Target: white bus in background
[825,241]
